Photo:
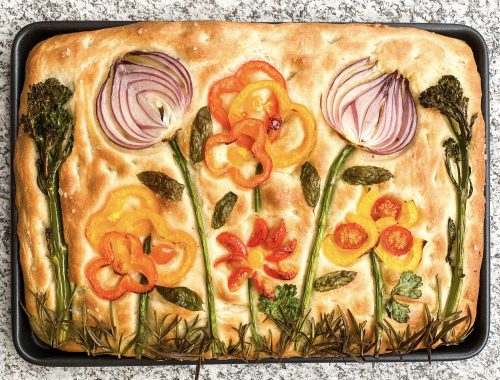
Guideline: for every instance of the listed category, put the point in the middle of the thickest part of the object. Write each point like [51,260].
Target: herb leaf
[334,280]
[407,286]
[397,310]
[283,308]
[223,209]
[201,129]
[366,175]
[311,183]
[166,187]
[181,296]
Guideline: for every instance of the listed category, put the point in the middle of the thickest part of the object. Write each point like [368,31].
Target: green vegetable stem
[50,125]
[321,225]
[447,97]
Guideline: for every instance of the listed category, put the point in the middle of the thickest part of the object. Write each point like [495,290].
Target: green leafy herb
[283,308]
[50,125]
[407,286]
[366,175]
[334,280]
[166,187]
[311,183]
[223,209]
[447,97]
[201,129]
[181,296]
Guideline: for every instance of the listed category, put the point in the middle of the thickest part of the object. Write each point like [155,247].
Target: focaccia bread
[309,57]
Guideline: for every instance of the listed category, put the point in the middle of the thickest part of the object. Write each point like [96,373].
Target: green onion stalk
[321,225]
[200,226]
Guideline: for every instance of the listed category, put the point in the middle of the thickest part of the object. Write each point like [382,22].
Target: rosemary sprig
[447,97]
[200,226]
[321,225]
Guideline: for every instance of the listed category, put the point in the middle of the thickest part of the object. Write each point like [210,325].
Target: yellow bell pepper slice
[385,222]
[284,158]
[408,262]
[409,214]
[366,203]
[348,257]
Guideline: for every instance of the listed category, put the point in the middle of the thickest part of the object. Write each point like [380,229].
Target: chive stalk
[379,300]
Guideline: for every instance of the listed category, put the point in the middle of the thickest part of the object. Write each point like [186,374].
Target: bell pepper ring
[245,72]
[119,202]
[407,262]
[249,103]
[247,130]
[125,262]
[283,157]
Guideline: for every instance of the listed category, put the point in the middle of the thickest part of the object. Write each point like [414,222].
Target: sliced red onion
[143,98]
[372,110]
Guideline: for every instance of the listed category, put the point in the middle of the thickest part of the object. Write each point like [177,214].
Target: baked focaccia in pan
[225,190]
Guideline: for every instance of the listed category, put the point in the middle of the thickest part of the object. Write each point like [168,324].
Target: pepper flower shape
[143,98]
[255,120]
[371,110]
[134,211]
[267,251]
[124,253]
[382,223]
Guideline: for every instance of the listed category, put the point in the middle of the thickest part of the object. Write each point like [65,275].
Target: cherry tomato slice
[276,236]
[162,254]
[281,272]
[349,235]
[232,243]
[238,278]
[282,252]
[231,258]
[386,206]
[396,240]
[264,286]
[259,234]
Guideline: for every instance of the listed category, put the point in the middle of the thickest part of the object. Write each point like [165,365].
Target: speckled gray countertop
[481,14]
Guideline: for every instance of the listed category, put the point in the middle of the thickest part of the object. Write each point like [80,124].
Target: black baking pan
[34,351]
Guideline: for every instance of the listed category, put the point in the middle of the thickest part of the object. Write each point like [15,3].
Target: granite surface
[481,14]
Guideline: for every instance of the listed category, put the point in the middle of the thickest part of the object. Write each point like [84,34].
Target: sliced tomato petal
[283,252]
[238,278]
[264,286]
[232,243]
[281,273]
[259,234]
[276,236]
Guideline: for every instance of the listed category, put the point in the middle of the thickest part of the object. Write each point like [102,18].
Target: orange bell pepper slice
[250,131]
[245,72]
[124,253]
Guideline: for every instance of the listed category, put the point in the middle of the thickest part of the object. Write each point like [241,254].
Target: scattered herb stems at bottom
[58,253]
[379,300]
[321,224]
[200,226]
[143,308]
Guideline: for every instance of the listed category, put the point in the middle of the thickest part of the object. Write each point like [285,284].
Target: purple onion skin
[372,111]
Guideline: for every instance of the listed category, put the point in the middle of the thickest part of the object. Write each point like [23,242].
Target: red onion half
[144,96]
[373,111]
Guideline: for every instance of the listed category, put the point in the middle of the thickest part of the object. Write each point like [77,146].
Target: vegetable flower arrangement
[255,119]
[371,111]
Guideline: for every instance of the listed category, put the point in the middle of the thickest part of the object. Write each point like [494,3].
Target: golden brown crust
[308,56]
